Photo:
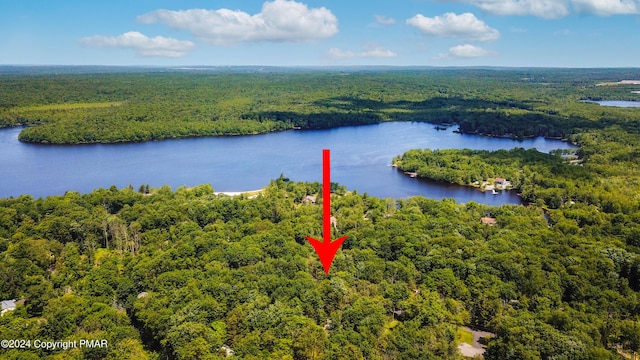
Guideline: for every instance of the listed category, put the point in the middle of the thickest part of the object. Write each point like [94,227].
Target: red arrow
[326,249]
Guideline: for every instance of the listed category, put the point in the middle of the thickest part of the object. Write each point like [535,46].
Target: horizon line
[195,67]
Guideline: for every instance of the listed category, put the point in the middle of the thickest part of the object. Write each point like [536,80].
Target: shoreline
[255,133]
[237,193]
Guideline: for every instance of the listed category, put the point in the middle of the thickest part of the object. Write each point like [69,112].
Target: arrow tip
[326,250]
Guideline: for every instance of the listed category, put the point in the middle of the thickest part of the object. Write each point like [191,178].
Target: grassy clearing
[464,336]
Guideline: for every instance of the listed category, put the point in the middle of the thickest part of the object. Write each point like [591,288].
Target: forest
[180,274]
[184,273]
[67,107]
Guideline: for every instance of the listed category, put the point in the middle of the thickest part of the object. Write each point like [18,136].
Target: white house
[8,305]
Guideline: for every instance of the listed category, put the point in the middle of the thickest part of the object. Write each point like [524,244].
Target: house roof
[500,180]
[488,220]
[8,304]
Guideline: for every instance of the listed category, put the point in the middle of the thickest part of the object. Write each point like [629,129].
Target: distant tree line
[116,107]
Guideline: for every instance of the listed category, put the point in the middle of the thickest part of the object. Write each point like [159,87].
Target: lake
[360,159]
[616,103]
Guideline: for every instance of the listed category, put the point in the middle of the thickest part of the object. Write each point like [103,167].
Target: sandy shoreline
[236,193]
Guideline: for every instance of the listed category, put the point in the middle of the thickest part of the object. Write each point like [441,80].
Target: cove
[360,158]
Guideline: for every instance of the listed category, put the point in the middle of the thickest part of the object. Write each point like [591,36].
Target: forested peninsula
[122,106]
[191,274]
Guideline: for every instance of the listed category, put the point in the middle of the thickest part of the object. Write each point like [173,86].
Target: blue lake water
[360,158]
[616,103]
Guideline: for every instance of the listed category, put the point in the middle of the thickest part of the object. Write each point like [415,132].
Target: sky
[513,33]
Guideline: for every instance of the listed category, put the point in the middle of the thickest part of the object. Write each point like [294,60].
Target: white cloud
[383,20]
[465,52]
[548,9]
[279,20]
[607,7]
[464,26]
[555,9]
[370,51]
[142,44]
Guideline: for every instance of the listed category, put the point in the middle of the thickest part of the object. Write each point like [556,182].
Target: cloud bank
[142,44]
[464,26]
[555,9]
[279,21]
[607,7]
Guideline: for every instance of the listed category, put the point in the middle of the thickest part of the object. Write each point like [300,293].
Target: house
[7,305]
[309,199]
[569,156]
[488,221]
[328,326]
[226,351]
[500,181]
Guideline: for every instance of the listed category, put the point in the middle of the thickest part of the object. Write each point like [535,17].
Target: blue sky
[544,33]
